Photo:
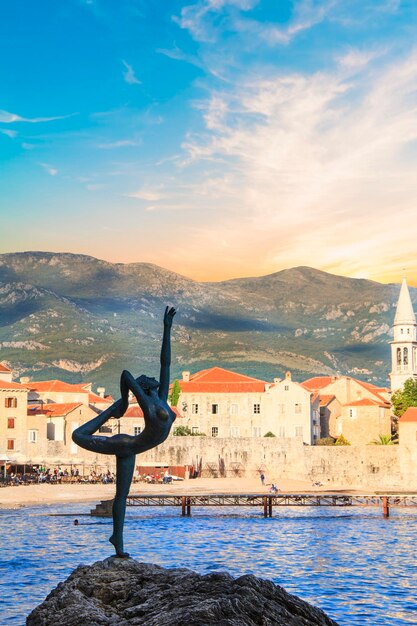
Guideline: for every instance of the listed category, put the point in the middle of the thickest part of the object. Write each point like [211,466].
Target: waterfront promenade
[33,494]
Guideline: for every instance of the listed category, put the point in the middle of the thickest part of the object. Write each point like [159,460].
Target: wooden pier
[264,502]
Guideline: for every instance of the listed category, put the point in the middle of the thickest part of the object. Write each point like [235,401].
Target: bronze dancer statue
[152,398]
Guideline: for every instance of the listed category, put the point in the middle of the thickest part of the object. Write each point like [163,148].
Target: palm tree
[385,440]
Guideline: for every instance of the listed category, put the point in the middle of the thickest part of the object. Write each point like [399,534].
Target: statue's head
[148,384]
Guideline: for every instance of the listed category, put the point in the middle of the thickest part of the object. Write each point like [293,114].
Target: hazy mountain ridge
[94,318]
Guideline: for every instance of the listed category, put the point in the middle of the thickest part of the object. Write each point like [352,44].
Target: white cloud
[150,195]
[357,59]
[11,118]
[129,75]
[321,168]
[9,133]
[198,18]
[52,171]
[201,20]
[306,14]
[122,143]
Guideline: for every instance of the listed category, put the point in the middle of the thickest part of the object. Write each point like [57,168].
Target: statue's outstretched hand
[169,316]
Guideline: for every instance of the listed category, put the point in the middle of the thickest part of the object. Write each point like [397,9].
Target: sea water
[360,568]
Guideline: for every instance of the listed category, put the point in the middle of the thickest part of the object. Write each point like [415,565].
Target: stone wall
[366,466]
[377,467]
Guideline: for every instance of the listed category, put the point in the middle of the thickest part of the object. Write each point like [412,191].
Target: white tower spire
[404,344]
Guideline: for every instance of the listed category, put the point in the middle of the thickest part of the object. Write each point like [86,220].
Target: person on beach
[152,398]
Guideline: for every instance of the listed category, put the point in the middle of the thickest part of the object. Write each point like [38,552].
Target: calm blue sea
[360,568]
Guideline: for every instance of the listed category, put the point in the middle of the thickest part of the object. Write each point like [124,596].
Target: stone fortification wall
[240,456]
[376,467]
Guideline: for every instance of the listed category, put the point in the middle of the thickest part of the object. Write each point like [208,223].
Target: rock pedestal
[124,592]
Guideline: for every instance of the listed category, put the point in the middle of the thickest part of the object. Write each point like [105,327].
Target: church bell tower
[404,344]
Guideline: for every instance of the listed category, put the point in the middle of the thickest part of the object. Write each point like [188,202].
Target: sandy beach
[12,497]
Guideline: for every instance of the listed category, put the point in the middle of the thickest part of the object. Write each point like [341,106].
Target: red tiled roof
[136,411]
[219,380]
[320,382]
[53,409]
[57,386]
[317,382]
[4,368]
[368,402]
[373,389]
[17,386]
[410,415]
[325,399]
[93,398]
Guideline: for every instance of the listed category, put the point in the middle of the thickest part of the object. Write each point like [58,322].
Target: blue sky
[215,138]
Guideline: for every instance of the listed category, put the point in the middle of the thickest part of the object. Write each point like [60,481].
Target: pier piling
[385,506]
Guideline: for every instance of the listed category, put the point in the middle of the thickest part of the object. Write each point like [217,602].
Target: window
[194,409]
[297,407]
[281,409]
[105,429]
[215,430]
[10,422]
[286,387]
[352,412]
[234,409]
[398,356]
[10,403]
[50,431]
[405,356]
[256,431]
[281,431]
[195,430]
[402,330]
[257,408]
[10,444]
[298,431]
[214,409]
[234,432]
[33,436]
[408,331]
[137,430]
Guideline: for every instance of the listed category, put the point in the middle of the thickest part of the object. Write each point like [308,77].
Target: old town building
[221,403]
[357,410]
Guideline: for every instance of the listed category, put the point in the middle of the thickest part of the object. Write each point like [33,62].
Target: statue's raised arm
[166,354]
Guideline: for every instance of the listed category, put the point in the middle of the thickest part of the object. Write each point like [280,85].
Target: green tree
[325,441]
[182,431]
[269,434]
[342,441]
[384,440]
[185,431]
[404,398]
[175,393]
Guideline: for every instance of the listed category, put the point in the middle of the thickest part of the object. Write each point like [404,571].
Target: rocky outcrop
[122,592]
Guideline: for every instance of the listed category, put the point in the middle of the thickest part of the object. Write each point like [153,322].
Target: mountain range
[78,318]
